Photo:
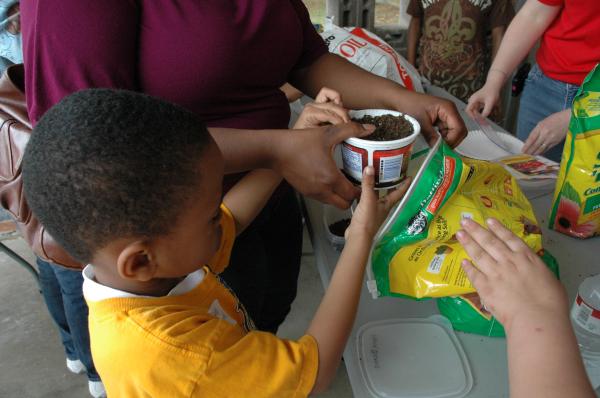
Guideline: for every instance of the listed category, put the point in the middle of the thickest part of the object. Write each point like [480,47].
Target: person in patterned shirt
[451,38]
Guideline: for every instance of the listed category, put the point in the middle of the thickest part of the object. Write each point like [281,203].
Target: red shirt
[222,59]
[570,47]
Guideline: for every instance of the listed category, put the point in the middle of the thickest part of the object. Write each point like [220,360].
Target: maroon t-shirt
[222,59]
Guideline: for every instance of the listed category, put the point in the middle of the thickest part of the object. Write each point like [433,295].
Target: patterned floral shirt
[452,48]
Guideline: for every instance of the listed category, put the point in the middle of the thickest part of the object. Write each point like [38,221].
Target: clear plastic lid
[413,358]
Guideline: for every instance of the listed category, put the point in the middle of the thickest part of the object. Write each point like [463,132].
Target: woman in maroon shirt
[225,61]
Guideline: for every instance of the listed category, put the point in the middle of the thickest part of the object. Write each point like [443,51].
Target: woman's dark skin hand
[305,160]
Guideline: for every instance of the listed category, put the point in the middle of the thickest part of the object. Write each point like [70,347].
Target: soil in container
[387,127]
[339,227]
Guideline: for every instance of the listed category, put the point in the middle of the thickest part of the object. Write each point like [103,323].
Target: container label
[586,316]
[388,164]
[390,168]
[355,160]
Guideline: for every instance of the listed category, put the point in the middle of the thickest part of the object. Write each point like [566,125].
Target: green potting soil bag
[419,255]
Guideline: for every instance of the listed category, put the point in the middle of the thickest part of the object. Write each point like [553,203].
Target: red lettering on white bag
[403,74]
[349,47]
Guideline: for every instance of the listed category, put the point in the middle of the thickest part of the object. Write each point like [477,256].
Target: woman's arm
[361,90]
[248,197]
[414,34]
[525,29]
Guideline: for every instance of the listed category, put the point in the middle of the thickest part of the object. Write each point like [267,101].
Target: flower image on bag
[576,207]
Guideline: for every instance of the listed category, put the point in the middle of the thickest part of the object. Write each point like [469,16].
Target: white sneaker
[75,366]
[96,389]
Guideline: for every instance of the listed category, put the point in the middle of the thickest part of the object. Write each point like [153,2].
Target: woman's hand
[483,101]
[371,212]
[433,111]
[548,133]
[327,108]
[305,159]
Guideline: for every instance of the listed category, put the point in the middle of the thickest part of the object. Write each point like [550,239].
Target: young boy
[452,40]
[131,185]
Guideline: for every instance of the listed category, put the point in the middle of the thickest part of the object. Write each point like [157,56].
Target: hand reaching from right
[517,288]
[510,278]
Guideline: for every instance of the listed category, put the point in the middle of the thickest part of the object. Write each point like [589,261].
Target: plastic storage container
[413,358]
[585,316]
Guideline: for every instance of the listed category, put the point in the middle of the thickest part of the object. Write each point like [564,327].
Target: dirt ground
[386,12]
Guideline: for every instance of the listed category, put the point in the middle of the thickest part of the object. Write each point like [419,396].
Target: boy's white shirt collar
[95,291]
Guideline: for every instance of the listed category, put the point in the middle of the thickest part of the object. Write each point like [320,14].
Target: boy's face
[196,236]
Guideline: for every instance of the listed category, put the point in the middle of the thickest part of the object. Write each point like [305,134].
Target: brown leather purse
[15,130]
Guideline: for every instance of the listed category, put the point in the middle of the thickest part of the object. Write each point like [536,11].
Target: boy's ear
[136,262]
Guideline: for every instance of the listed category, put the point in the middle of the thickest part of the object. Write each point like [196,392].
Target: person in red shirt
[569,32]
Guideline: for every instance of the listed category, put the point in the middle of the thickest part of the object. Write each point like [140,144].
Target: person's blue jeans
[543,96]
[63,294]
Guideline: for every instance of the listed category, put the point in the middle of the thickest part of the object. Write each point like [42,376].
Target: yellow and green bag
[576,207]
[418,256]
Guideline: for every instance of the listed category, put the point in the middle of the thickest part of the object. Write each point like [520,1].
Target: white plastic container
[413,358]
[332,215]
[389,158]
[585,316]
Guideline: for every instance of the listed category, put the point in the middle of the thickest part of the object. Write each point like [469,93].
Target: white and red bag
[370,52]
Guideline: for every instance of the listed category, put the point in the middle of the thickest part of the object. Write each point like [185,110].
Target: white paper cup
[389,158]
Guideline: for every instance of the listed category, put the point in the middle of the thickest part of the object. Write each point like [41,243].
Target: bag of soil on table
[576,207]
[418,256]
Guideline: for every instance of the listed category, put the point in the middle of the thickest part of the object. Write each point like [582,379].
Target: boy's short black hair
[105,164]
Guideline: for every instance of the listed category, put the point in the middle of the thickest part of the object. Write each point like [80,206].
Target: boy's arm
[302,157]
[520,291]
[334,318]
[525,29]
[248,197]
[414,34]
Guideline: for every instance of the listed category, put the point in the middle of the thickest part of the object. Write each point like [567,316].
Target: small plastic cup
[331,215]
[389,158]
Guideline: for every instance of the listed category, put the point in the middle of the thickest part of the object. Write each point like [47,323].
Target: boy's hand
[548,133]
[371,212]
[513,282]
[327,108]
